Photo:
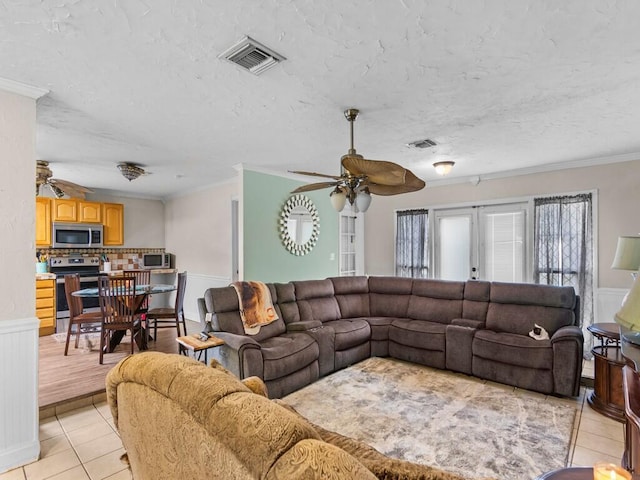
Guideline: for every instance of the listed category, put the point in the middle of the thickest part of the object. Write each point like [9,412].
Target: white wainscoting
[19,443]
[608,301]
[196,285]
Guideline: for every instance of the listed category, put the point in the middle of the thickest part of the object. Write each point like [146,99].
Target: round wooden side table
[572,473]
[607,397]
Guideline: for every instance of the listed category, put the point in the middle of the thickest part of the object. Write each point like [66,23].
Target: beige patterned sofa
[478,328]
[179,419]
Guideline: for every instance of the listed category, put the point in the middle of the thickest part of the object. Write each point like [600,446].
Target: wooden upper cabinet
[65,210]
[43,222]
[89,212]
[113,221]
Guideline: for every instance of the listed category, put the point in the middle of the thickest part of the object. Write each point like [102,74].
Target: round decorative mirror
[299,224]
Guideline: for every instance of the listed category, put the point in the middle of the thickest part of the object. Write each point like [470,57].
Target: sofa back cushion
[476,300]
[223,301]
[352,294]
[316,300]
[287,302]
[515,307]
[436,300]
[389,296]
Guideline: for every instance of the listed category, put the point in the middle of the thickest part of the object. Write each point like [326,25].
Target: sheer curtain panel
[563,252]
[412,255]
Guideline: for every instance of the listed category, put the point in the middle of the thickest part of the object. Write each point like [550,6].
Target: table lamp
[627,254]
[629,315]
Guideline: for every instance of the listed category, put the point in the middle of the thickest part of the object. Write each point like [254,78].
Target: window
[412,253]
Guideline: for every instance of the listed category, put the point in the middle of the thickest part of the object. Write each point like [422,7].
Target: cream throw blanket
[256,306]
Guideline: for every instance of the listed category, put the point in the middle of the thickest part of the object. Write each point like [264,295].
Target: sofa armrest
[570,332]
[567,360]
[466,322]
[304,326]
[237,342]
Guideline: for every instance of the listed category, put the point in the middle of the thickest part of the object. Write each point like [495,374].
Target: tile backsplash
[120,258]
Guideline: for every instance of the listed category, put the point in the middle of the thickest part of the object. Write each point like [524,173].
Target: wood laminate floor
[78,375]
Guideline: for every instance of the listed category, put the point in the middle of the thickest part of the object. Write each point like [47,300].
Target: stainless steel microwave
[156,260]
[77,235]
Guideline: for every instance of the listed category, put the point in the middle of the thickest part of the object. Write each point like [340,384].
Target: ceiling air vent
[252,56]
[426,143]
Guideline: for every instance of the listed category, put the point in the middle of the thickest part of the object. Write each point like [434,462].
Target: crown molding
[23,89]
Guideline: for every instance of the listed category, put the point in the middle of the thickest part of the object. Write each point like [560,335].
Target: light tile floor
[79,441]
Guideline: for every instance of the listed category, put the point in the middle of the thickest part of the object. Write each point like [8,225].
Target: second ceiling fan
[361,177]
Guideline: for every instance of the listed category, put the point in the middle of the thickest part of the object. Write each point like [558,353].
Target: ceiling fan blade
[380,172]
[314,174]
[70,188]
[314,186]
[413,184]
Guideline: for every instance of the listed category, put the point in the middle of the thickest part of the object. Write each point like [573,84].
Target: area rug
[454,422]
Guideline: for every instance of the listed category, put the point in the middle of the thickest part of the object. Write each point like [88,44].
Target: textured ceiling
[499,85]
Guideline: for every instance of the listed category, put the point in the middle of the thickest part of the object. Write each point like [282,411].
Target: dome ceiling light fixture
[130,171]
[443,168]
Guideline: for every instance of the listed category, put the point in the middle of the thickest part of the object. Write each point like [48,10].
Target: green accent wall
[265,258]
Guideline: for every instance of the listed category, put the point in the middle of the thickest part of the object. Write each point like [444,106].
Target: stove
[88,267]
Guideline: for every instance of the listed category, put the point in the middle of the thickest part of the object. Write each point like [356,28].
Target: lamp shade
[629,314]
[627,254]
[338,199]
[363,200]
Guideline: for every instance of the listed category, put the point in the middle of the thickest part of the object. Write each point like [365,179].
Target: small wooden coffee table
[194,344]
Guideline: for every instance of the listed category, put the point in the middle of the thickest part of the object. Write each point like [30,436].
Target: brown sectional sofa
[475,327]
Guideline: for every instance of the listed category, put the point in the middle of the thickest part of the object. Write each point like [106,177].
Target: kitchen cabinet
[46,305]
[113,221]
[65,210]
[89,212]
[43,222]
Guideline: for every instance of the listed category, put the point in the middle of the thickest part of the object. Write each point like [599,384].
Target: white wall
[618,201]
[143,220]
[198,232]
[18,326]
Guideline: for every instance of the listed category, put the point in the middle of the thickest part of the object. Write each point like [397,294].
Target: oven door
[89,304]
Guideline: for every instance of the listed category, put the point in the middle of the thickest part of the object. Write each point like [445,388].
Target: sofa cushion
[418,333]
[352,294]
[533,294]
[350,332]
[520,319]
[476,300]
[287,353]
[287,302]
[389,296]
[436,300]
[223,301]
[316,300]
[512,349]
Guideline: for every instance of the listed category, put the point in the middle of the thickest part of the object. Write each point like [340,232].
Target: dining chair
[170,317]
[84,322]
[143,277]
[118,304]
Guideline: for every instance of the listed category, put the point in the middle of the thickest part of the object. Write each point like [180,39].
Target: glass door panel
[454,240]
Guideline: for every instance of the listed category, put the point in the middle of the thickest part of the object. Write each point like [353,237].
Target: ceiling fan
[60,188]
[359,177]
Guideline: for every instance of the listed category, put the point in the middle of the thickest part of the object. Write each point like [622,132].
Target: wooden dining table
[142,292]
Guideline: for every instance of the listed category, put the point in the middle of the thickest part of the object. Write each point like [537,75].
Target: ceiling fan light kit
[130,171]
[359,177]
[443,168]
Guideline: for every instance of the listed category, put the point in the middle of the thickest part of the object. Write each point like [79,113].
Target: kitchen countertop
[153,270]
[45,276]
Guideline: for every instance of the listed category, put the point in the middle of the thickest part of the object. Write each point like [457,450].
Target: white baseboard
[19,442]
[197,284]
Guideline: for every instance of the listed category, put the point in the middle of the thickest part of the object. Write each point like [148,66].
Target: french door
[486,243]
